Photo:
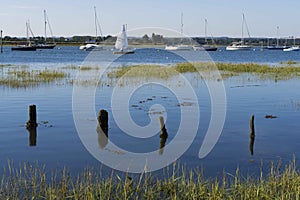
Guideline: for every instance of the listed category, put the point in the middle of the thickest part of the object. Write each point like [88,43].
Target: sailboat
[180,46]
[46,45]
[93,45]
[206,46]
[121,45]
[241,44]
[277,46]
[293,48]
[27,46]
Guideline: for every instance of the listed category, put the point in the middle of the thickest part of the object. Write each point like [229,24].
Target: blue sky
[76,17]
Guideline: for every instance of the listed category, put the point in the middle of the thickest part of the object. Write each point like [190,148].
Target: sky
[76,17]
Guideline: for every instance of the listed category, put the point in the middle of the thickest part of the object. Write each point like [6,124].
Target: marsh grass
[226,70]
[145,71]
[24,77]
[32,182]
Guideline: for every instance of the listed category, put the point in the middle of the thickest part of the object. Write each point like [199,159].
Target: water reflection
[102,137]
[32,136]
[102,128]
[252,135]
[163,135]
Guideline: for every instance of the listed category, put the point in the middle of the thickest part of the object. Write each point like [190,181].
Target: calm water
[58,144]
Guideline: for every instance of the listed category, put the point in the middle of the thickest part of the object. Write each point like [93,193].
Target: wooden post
[31,123]
[163,135]
[102,128]
[252,134]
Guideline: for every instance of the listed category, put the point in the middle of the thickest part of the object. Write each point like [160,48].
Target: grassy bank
[30,182]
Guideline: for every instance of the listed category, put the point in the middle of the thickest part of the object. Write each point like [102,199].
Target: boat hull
[24,48]
[179,48]
[46,46]
[277,47]
[123,52]
[239,48]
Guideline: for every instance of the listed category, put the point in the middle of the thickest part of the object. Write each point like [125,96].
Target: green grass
[32,182]
[23,77]
[226,70]
[145,71]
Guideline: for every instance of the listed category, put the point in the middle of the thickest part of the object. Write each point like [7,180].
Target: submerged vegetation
[225,69]
[32,182]
[22,76]
[18,77]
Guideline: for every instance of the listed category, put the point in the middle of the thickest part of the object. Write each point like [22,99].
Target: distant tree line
[155,39]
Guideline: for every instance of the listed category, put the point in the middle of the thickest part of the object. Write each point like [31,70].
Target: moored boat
[121,45]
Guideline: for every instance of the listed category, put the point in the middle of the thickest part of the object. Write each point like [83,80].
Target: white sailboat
[179,47]
[121,45]
[241,44]
[89,46]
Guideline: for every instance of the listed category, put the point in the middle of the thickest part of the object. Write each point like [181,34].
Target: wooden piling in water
[31,123]
[252,135]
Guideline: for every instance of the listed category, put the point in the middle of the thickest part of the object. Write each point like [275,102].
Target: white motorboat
[293,48]
[89,46]
[179,47]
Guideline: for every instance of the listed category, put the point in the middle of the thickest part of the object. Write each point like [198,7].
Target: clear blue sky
[76,17]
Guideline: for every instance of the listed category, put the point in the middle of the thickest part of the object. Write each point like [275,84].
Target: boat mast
[96,27]
[206,31]
[27,33]
[243,21]
[277,43]
[181,28]
[45,21]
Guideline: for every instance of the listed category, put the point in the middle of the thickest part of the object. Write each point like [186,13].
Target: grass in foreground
[32,182]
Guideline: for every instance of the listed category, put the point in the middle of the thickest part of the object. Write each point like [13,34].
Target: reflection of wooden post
[31,123]
[163,135]
[252,134]
[32,136]
[102,128]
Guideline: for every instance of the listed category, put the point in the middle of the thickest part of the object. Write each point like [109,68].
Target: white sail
[122,42]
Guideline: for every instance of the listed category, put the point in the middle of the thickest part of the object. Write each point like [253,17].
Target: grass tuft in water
[23,77]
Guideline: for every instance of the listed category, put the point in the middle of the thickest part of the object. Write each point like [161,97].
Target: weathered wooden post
[32,117]
[252,134]
[31,125]
[102,128]
[163,135]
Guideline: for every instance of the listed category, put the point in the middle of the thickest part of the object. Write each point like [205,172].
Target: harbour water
[58,144]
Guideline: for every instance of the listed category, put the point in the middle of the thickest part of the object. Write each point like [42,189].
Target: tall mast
[181,29]
[27,32]
[277,36]
[96,22]
[45,21]
[243,28]
[205,30]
